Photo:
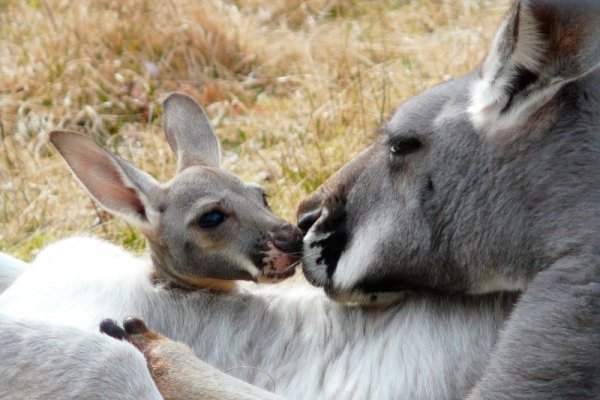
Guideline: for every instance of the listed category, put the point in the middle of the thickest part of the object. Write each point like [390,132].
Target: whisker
[313,253]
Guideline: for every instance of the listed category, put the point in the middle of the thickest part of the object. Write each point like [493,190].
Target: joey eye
[403,146]
[211,219]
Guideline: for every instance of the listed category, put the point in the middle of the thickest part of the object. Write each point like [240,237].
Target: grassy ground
[294,89]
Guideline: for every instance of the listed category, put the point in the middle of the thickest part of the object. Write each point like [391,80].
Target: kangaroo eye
[265,200]
[405,146]
[211,219]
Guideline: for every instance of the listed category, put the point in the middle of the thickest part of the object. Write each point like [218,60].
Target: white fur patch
[354,262]
[489,95]
[488,100]
[499,283]
[368,299]
[312,249]
[247,266]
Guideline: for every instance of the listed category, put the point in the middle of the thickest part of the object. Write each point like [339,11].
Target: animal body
[482,184]
[210,235]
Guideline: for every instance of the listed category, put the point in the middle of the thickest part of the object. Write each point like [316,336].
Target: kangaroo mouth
[277,265]
[272,277]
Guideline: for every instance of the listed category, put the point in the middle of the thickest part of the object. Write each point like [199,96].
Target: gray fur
[503,195]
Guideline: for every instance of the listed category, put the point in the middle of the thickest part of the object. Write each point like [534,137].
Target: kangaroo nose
[308,219]
[288,239]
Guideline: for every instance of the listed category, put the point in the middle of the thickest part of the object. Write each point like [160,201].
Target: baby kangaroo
[203,218]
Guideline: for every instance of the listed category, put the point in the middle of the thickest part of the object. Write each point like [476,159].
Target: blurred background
[294,89]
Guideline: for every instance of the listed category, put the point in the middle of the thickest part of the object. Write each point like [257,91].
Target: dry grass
[294,89]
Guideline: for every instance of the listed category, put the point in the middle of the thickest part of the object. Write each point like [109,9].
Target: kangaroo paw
[134,331]
[176,370]
[156,349]
[110,328]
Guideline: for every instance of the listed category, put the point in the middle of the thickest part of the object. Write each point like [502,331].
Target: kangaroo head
[476,184]
[204,226]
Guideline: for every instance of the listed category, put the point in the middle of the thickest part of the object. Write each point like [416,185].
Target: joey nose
[288,239]
[308,219]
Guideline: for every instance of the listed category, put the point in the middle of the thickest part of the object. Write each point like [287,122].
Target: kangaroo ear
[541,46]
[116,184]
[189,132]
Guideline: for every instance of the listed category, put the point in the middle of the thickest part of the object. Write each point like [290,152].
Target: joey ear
[189,132]
[116,184]
[541,46]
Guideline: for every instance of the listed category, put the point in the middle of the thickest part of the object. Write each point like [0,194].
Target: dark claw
[110,327]
[134,326]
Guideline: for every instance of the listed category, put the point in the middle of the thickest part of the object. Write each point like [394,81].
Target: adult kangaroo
[482,184]
[487,183]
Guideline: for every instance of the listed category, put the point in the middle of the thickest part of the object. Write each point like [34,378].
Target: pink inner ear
[100,174]
[126,200]
[105,182]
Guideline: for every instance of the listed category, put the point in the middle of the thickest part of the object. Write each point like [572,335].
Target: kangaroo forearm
[551,346]
[179,374]
[201,381]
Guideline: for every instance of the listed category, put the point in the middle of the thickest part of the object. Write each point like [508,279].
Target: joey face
[205,227]
[214,226]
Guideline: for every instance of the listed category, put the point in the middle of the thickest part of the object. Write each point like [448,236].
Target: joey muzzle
[288,239]
[284,252]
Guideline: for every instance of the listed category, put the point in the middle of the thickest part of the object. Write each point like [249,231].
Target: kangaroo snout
[288,239]
[283,254]
[308,219]
[309,211]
